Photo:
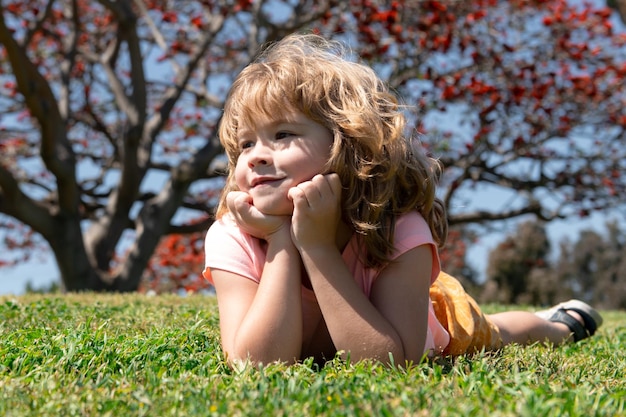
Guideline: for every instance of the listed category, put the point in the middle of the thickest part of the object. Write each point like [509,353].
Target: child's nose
[260,155]
[256,161]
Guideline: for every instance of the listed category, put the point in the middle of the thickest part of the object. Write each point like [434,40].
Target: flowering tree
[176,265]
[109,111]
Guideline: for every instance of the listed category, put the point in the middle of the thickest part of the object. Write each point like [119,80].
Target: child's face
[277,154]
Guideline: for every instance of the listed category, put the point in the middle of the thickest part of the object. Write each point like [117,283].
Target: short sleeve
[227,248]
[412,231]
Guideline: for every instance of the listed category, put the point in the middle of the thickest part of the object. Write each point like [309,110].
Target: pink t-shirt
[229,249]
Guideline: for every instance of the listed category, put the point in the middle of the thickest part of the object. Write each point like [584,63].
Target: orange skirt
[470,330]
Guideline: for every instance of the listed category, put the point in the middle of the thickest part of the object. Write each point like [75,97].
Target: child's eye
[246,145]
[283,135]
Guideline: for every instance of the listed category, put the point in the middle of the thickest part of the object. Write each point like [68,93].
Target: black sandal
[590,316]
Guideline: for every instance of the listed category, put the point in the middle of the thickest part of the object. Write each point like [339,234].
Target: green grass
[119,355]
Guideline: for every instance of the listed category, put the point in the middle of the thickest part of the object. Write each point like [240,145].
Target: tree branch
[69,43]
[56,151]
[171,96]
[479,216]
[201,226]
[15,203]
[39,22]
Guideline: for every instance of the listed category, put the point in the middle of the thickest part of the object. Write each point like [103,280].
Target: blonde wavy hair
[384,174]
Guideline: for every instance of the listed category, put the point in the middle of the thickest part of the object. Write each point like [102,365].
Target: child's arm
[262,322]
[395,320]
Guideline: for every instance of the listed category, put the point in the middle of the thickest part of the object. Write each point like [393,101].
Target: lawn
[126,355]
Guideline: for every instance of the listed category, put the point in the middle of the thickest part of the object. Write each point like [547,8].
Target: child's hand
[317,211]
[250,219]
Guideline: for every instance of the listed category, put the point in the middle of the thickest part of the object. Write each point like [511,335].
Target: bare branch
[480,216]
[171,96]
[201,226]
[39,22]
[158,37]
[18,205]
[56,151]
[69,43]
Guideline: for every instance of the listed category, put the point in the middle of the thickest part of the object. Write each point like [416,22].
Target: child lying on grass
[327,230]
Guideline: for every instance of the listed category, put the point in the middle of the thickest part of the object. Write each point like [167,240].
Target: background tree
[522,269]
[512,262]
[176,265]
[592,267]
[98,96]
[102,100]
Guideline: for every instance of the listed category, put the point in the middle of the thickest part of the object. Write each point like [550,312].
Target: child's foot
[582,319]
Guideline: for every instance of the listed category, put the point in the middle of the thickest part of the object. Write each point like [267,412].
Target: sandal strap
[590,324]
[574,325]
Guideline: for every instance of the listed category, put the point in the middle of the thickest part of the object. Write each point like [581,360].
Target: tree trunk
[77,273]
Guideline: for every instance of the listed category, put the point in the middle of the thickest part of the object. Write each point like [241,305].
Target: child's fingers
[334,183]
[303,194]
[316,210]
[296,195]
[238,201]
[327,185]
[324,189]
[318,189]
[240,205]
[315,190]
